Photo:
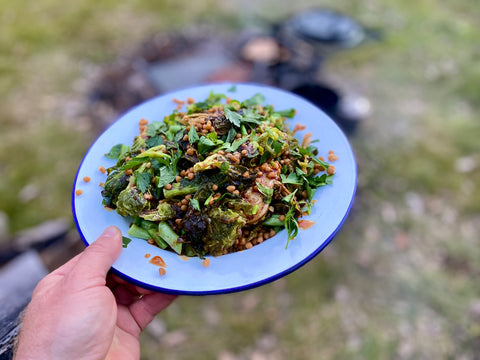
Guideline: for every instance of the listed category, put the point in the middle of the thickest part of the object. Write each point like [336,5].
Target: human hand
[77,312]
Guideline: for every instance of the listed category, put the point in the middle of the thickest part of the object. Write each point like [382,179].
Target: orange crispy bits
[305,224]
[157,260]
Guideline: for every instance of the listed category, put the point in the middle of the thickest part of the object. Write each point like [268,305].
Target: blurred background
[402,278]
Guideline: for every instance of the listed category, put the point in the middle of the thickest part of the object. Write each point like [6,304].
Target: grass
[399,281]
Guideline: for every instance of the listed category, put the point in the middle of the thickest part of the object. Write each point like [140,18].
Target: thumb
[98,257]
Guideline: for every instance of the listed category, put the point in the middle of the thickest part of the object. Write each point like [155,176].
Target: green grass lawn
[400,280]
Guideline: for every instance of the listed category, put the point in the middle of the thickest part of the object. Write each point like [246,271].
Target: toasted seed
[78,192]
[231,188]
[214,187]
[332,157]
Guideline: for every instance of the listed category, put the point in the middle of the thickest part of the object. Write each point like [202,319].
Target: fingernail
[110,231]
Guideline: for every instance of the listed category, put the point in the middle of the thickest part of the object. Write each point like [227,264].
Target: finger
[131,287]
[98,257]
[124,296]
[145,309]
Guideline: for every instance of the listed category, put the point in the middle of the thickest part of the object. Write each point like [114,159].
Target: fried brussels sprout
[163,212]
[223,227]
[130,202]
[114,185]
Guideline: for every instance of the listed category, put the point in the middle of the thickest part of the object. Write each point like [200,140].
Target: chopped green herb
[192,135]
[195,204]
[125,241]
[292,178]
[143,181]
[289,198]
[117,151]
[266,191]
[234,117]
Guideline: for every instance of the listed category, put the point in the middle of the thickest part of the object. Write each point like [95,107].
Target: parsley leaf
[291,179]
[277,147]
[231,135]
[166,176]
[290,113]
[143,181]
[195,204]
[236,144]
[154,141]
[291,225]
[117,151]
[232,116]
[125,241]
[205,144]
[289,198]
[257,99]
[266,191]
[192,135]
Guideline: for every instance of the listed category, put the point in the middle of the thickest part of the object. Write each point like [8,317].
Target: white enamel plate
[259,265]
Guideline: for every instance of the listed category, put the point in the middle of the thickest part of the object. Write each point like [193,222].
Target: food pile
[220,177]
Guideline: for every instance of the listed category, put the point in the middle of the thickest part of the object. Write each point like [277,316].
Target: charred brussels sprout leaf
[163,212]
